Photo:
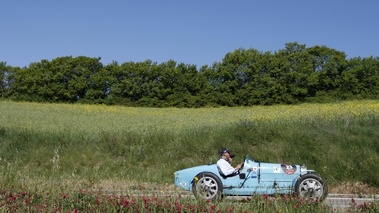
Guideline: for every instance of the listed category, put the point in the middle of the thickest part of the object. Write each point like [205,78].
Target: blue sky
[191,32]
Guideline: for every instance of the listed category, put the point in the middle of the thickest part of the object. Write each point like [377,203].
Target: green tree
[244,77]
[294,73]
[23,85]
[99,86]
[361,78]
[64,79]
[328,64]
[250,79]
[224,83]
[207,93]
[130,82]
[3,80]
[232,77]
[77,76]
[185,86]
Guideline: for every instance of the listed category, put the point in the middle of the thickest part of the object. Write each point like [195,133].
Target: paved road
[342,201]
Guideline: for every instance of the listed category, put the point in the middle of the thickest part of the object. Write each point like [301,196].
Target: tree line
[245,77]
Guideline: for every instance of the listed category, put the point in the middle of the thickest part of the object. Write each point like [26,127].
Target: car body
[255,177]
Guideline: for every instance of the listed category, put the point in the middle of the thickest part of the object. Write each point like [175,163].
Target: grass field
[92,119]
[113,145]
[62,158]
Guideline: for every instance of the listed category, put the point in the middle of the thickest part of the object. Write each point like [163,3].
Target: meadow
[62,148]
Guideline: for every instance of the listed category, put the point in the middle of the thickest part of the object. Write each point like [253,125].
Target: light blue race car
[255,177]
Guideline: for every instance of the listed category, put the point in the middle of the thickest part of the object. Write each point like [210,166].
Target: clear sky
[196,32]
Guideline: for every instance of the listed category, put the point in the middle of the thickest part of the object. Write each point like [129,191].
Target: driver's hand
[238,167]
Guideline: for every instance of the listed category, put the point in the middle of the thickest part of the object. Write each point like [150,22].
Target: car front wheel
[207,186]
[311,186]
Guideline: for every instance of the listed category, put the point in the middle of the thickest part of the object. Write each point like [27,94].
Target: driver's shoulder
[221,161]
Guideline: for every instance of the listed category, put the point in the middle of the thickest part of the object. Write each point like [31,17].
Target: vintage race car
[254,178]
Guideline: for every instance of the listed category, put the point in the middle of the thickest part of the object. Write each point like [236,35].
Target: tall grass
[89,145]
[87,201]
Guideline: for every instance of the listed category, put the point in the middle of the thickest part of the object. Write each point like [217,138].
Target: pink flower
[265,196]
[125,202]
[98,201]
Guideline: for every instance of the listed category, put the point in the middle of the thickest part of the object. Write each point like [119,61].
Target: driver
[224,164]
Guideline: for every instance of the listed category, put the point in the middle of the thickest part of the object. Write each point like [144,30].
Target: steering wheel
[242,166]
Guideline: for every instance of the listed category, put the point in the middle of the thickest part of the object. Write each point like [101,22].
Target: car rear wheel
[311,186]
[207,186]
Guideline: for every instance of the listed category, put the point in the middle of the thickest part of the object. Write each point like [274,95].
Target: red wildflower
[98,201]
[179,207]
[125,202]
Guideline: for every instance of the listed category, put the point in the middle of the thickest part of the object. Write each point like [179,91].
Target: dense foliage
[244,77]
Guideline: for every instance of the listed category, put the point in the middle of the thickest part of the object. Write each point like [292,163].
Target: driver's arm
[238,167]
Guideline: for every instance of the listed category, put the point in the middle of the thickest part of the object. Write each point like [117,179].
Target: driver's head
[225,153]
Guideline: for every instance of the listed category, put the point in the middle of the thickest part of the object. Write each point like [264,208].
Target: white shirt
[225,167]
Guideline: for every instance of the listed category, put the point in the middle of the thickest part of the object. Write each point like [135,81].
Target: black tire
[207,186]
[311,186]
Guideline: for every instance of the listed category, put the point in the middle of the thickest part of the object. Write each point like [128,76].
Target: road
[342,201]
